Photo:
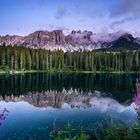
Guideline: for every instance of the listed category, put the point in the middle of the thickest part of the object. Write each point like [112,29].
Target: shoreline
[57,71]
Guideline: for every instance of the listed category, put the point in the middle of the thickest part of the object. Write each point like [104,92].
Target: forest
[21,58]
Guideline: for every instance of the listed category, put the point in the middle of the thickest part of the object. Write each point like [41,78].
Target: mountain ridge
[76,40]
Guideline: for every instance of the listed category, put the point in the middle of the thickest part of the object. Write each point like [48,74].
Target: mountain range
[86,40]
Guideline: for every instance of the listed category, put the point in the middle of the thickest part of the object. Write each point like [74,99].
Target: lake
[31,104]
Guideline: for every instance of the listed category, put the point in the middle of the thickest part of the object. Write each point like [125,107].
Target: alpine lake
[32,103]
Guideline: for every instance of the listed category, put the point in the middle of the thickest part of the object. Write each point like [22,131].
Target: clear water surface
[30,104]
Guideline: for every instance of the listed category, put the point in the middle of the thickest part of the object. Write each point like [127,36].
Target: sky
[22,17]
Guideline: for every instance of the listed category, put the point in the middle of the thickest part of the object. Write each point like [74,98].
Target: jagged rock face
[59,37]
[125,42]
[76,40]
[42,39]
[10,39]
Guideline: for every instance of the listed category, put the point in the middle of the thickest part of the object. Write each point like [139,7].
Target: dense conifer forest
[20,58]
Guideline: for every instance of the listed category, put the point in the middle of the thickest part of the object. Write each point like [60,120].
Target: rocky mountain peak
[128,37]
[77,39]
[59,37]
[74,32]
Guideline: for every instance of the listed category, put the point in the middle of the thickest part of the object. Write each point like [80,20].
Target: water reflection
[70,99]
[36,100]
[56,99]
[34,113]
[117,84]
[137,98]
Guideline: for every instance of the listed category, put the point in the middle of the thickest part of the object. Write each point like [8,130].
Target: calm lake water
[30,104]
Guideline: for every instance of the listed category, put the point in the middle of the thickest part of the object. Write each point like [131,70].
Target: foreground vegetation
[110,132]
[26,59]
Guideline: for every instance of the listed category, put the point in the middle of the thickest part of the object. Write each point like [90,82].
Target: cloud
[126,7]
[115,24]
[54,27]
[61,13]
[88,10]
[105,36]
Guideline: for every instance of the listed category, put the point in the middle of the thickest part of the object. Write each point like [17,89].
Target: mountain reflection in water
[121,86]
[36,100]
[70,99]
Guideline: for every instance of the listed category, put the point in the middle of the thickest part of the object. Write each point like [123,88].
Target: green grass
[110,132]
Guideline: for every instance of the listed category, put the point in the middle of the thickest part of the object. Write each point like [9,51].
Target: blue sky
[22,17]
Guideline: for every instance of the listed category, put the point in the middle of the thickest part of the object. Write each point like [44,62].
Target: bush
[111,132]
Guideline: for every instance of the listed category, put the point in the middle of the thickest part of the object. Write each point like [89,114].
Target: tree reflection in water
[137,97]
[3,115]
